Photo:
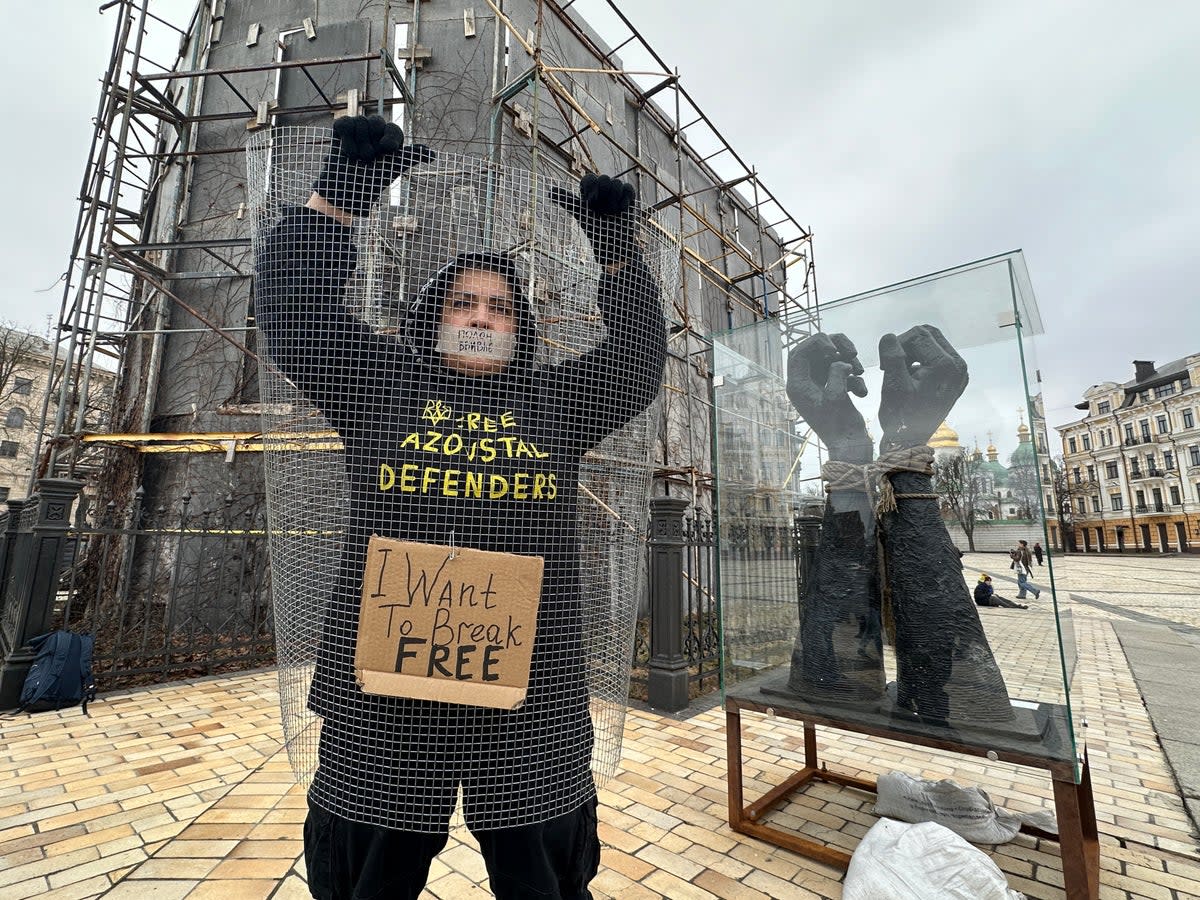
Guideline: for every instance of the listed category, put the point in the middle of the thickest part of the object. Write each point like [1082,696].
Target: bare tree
[21,369]
[17,347]
[1026,490]
[1068,492]
[960,480]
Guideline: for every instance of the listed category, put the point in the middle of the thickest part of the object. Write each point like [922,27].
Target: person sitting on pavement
[985,595]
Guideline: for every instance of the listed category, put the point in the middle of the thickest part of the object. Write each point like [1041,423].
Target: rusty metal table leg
[733,754]
[1079,840]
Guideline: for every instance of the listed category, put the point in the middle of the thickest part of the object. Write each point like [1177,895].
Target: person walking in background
[1038,553]
[1022,570]
[1026,555]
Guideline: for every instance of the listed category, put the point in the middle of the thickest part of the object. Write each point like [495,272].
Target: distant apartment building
[1133,461]
[25,377]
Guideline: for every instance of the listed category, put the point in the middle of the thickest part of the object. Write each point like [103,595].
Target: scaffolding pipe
[85,225]
[195,92]
[762,254]
[383,54]
[81,394]
[182,119]
[97,307]
[506,94]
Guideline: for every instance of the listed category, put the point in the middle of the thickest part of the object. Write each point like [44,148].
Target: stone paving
[183,790]
[1150,587]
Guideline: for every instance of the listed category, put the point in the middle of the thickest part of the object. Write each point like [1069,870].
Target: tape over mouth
[479,343]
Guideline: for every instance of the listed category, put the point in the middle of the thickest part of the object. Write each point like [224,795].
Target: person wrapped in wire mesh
[453,435]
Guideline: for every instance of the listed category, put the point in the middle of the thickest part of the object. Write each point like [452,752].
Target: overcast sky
[909,137]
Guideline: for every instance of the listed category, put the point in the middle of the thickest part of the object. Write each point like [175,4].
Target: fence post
[8,539]
[33,581]
[667,683]
[806,533]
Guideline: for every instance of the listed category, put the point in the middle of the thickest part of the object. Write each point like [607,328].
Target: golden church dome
[944,437]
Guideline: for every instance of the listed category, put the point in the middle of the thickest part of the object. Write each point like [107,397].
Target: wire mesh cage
[474,364]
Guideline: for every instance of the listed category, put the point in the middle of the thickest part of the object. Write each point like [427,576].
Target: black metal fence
[167,592]
[171,593]
[678,648]
[683,601]
[179,592]
[702,623]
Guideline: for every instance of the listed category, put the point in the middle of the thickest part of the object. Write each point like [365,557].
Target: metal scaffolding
[150,239]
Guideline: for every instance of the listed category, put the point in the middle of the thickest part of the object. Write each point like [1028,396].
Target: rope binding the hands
[909,459]
[847,476]
[842,476]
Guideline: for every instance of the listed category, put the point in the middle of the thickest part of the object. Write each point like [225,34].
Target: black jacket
[431,456]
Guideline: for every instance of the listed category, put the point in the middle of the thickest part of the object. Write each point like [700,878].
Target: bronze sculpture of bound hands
[945,669]
[923,377]
[823,370]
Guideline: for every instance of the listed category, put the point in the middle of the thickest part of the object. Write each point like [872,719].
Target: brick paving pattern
[184,791]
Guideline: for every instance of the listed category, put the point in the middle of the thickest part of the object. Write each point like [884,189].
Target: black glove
[370,155]
[604,210]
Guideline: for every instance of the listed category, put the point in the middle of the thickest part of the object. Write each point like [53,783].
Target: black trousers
[353,861]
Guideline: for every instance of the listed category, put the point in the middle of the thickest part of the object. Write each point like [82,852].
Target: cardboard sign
[447,623]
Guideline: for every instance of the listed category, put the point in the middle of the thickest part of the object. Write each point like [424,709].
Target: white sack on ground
[897,861]
[967,811]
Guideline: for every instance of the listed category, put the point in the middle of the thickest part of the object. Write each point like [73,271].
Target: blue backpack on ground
[61,675]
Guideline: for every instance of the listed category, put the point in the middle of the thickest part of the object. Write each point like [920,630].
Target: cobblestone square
[184,791]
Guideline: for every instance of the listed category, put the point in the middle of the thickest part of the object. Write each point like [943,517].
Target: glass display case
[883,477]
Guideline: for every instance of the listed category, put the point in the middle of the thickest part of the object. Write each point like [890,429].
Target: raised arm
[618,379]
[837,657]
[305,259]
[945,670]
